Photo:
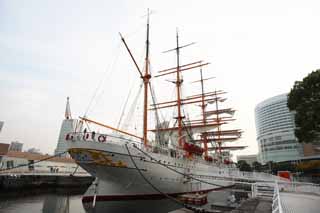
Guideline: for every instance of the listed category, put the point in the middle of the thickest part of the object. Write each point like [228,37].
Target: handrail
[110,127]
[301,187]
[276,201]
[297,187]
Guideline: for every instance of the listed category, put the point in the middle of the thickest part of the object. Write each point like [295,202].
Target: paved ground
[254,205]
[294,202]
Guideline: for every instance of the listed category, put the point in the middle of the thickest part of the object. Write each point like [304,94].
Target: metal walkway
[295,197]
[290,197]
[299,202]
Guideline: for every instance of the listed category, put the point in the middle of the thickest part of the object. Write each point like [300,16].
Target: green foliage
[257,166]
[274,167]
[244,166]
[312,166]
[304,99]
[283,166]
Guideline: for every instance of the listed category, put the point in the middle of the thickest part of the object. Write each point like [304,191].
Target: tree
[304,100]
[257,166]
[283,166]
[244,166]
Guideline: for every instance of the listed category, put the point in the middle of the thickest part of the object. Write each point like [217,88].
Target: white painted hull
[118,180]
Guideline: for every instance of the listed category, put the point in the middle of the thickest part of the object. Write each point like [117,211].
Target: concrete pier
[14,181]
[254,205]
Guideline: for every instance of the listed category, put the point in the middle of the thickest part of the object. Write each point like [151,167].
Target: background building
[16,146]
[248,158]
[1,125]
[34,151]
[68,125]
[275,131]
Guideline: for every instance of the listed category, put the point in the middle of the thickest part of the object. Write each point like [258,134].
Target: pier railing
[276,201]
[299,187]
[294,187]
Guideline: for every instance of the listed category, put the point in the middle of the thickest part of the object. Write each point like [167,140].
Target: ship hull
[128,176]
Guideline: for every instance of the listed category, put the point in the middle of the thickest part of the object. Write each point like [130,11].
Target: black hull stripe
[86,199]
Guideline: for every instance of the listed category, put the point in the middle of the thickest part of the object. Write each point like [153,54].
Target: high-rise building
[1,125]
[275,131]
[68,125]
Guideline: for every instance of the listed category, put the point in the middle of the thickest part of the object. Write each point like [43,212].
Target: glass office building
[275,131]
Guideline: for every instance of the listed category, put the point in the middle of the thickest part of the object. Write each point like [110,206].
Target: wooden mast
[178,86]
[146,79]
[204,119]
[219,129]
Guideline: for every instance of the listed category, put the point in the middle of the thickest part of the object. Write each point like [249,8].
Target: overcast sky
[53,49]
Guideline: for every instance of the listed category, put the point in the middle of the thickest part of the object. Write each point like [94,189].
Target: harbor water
[60,201]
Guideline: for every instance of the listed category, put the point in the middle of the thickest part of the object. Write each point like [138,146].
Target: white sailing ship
[135,171]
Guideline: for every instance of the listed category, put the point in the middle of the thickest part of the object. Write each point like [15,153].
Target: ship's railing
[26,171]
[256,176]
[276,200]
[100,138]
[119,139]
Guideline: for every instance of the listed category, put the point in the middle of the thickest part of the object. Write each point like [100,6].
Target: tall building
[275,131]
[16,146]
[68,125]
[1,125]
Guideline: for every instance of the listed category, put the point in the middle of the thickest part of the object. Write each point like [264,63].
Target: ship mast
[178,86]
[146,80]
[219,129]
[204,120]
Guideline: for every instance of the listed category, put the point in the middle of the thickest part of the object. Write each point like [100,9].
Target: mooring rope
[153,186]
[181,173]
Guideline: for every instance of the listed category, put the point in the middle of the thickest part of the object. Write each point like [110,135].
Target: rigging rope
[156,112]
[103,79]
[153,186]
[124,107]
[181,173]
[194,209]
[132,110]
[187,130]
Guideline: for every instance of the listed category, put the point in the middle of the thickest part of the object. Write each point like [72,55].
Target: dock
[290,197]
[300,202]
[269,197]
[28,179]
